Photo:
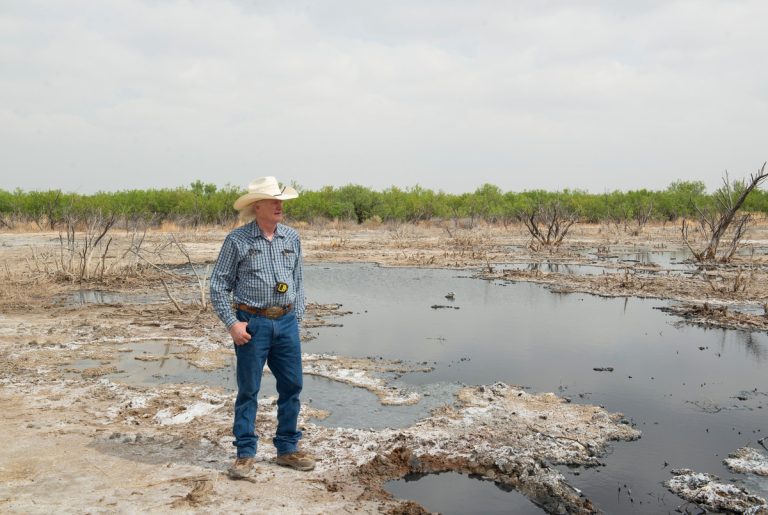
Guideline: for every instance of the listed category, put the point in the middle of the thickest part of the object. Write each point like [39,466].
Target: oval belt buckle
[274,312]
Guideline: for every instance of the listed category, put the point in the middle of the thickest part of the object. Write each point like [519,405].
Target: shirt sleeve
[223,282]
[298,281]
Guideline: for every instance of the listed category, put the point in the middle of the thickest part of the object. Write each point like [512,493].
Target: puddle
[665,265]
[157,362]
[560,268]
[452,493]
[660,258]
[358,408]
[522,333]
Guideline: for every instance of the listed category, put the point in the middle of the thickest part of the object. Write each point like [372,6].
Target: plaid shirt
[249,266]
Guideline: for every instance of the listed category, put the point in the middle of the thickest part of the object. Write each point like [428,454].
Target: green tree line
[202,203]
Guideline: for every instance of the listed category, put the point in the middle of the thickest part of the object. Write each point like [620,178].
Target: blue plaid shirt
[249,266]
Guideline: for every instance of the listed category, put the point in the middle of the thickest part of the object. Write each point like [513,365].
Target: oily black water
[451,493]
[696,394]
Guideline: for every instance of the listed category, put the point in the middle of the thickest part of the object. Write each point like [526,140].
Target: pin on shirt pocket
[256,260]
[289,258]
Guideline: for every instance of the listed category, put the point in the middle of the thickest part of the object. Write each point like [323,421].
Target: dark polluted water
[696,394]
[450,493]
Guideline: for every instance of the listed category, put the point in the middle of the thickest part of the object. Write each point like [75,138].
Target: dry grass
[401,235]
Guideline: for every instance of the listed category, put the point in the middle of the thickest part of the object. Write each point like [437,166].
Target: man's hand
[239,333]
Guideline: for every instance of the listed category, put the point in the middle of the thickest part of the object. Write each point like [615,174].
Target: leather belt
[270,312]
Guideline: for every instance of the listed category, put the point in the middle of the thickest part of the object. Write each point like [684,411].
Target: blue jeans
[276,343]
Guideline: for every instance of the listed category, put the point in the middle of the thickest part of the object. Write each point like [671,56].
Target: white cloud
[592,94]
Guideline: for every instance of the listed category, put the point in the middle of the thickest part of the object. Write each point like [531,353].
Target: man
[258,293]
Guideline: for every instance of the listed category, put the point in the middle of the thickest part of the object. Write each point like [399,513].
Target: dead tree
[619,216]
[75,254]
[200,280]
[52,208]
[548,223]
[97,225]
[723,218]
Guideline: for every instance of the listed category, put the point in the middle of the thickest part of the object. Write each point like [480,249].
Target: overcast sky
[597,95]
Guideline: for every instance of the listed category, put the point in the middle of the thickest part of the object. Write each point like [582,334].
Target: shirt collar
[256,230]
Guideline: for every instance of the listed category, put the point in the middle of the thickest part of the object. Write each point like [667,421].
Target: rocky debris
[747,461]
[707,491]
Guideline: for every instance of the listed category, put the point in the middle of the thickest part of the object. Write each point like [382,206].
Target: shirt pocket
[254,262]
[289,258]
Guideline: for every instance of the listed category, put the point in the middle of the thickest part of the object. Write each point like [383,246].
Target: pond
[696,394]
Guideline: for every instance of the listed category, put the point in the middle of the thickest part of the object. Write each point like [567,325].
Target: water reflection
[452,493]
[522,333]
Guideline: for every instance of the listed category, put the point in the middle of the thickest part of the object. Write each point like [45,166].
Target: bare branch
[722,221]
[168,292]
[548,223]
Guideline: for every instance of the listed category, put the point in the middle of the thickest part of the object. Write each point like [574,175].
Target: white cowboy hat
[265,188]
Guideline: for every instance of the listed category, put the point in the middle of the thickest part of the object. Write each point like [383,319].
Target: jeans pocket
[252,326]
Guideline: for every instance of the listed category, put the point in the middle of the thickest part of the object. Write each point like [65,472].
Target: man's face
[268,211]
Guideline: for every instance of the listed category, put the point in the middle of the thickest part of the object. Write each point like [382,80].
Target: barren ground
[76,439]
